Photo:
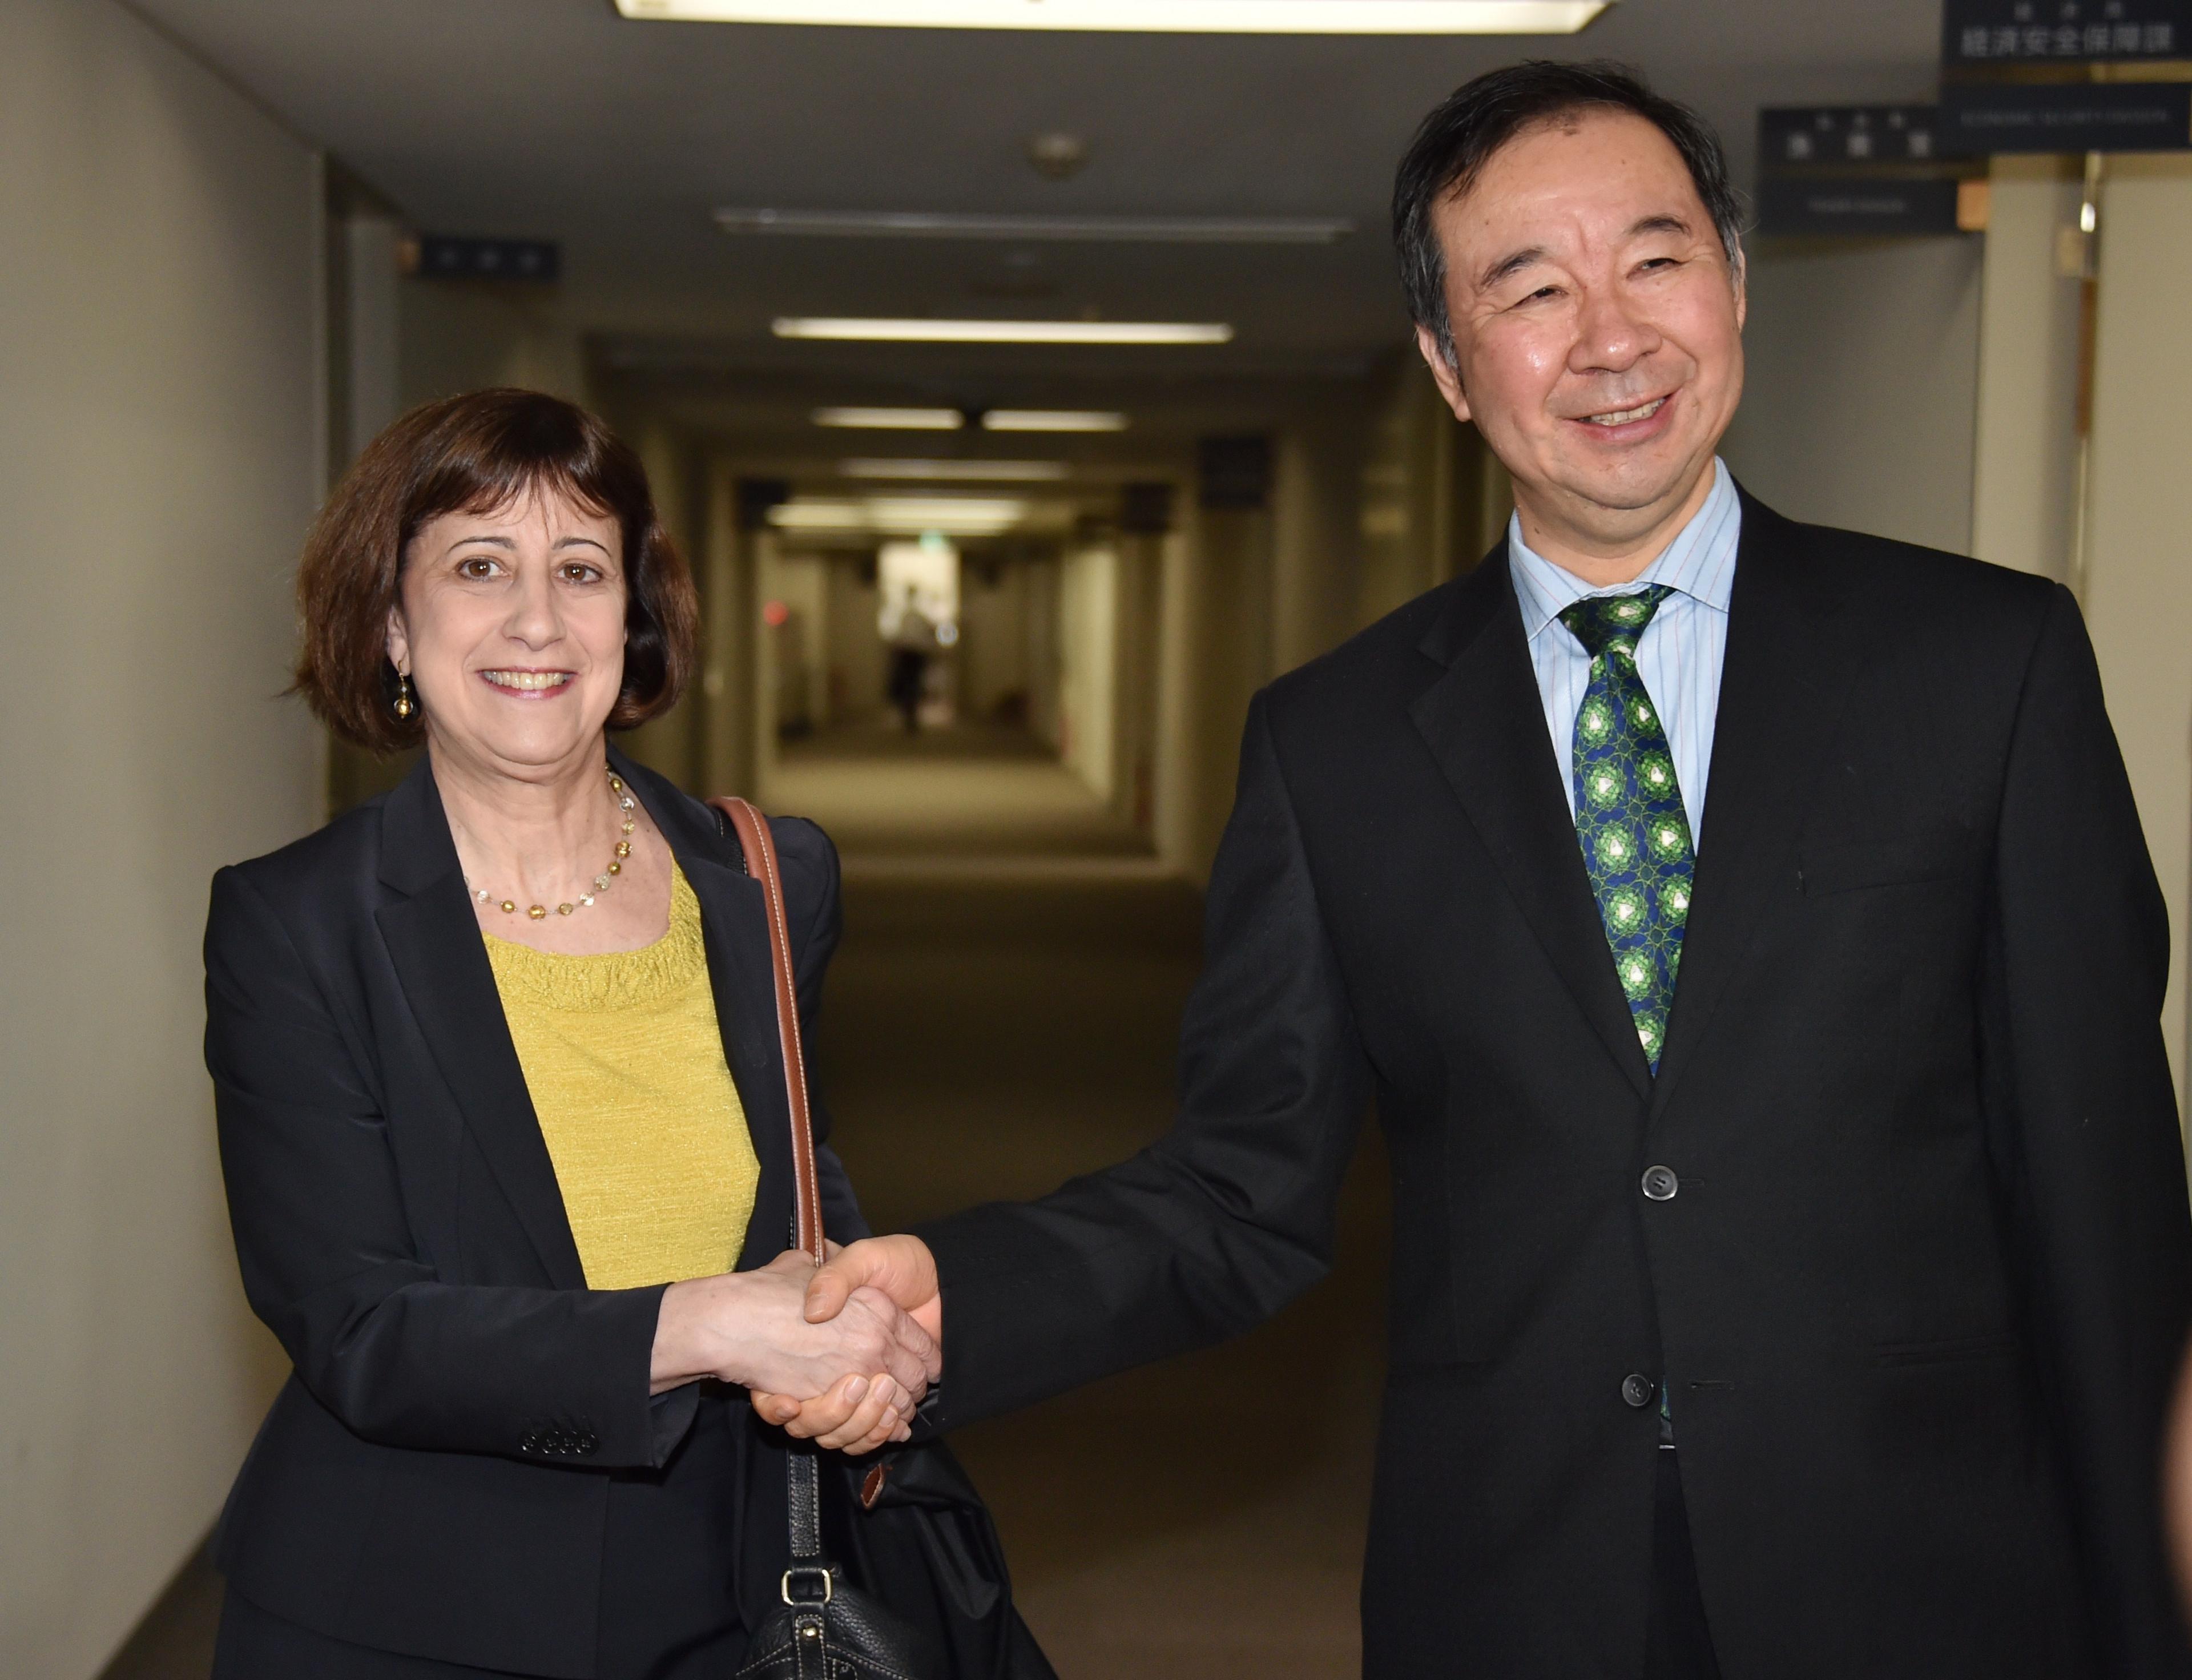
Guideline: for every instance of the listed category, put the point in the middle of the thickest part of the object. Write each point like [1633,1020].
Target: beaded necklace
[539,912]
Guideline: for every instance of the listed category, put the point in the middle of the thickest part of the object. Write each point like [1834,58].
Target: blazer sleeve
[329,1263]
[2086,1120]
[1230,1215]
[812,877]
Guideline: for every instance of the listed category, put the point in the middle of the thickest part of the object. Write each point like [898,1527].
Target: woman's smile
[519,682]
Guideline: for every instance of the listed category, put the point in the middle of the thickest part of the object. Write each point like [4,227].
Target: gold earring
[403,706]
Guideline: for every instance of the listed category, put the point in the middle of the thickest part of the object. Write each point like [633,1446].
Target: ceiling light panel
[872,330]
[1193,17]
[1117,230]
[892,419]
[898,515]
[964,471]
[954,516]
[1053,420]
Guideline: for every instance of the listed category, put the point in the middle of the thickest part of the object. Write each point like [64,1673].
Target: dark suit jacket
[436,1477]
[1921,1288]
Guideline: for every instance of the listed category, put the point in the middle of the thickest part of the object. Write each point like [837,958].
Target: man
[1746,933]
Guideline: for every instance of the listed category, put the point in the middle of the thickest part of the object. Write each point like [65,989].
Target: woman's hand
[868,1366]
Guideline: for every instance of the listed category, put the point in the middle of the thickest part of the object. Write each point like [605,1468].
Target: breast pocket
[1931,856]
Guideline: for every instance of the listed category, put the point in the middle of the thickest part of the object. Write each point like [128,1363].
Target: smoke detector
[1057,156]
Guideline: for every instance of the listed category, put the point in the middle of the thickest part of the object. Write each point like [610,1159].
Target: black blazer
[434,1476]
[1921,1288]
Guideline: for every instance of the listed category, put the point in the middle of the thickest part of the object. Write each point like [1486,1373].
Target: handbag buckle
[829,1584]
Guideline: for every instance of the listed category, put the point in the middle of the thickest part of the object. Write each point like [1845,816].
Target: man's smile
[1624,417]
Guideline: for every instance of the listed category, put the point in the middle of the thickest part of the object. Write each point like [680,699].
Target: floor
[969,795]
[1001,1015]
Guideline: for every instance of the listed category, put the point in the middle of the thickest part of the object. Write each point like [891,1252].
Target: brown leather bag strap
[760,849]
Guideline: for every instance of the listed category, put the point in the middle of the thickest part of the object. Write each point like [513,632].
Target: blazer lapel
[433,938]
[1485,723]
[1781,689]
[734,919]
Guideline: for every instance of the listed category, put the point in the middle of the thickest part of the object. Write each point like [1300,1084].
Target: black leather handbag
[896,1572]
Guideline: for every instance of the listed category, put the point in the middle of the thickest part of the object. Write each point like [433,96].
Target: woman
[502,1111]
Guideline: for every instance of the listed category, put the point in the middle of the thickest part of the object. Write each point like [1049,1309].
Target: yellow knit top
[625,1060]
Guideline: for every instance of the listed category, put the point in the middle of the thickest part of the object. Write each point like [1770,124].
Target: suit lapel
[441,960]
[734,920]
[1485,723]
[1783,685]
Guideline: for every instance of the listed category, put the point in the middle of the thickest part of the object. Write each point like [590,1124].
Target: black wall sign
[1799,136]
[756,496]
[1795,206]
[445,257]
[1236,472]
[1979,118]
[1991,34]
[1145,509]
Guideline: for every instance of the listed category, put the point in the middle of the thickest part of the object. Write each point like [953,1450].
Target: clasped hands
[839,1354]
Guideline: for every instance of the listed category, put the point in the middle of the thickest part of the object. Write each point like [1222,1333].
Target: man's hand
[903,1273]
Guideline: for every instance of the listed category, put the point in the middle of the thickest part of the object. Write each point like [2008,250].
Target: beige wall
[2025,452]
[672,743]
[993,636]
[158,466]
[1088,666]
[1862,373]
[857,655]
[464,334]
[1431,498]
[1316,483]
[2139,576]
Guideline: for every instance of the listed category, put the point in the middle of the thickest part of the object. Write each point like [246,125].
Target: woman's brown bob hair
[478,454]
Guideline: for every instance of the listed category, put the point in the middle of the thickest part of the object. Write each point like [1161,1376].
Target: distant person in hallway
[912,641]
[502,1110]
[1791,1250]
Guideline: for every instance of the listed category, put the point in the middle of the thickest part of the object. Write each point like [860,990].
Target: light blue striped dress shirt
[1679,656]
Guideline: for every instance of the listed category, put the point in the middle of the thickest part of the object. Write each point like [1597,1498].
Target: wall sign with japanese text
[443,256]
[1994,34]
[1792,136]
[1857,171]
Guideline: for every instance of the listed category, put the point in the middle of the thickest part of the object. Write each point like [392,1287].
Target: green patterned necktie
[1628,816]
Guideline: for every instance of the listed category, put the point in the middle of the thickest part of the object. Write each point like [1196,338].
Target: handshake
[840,1355]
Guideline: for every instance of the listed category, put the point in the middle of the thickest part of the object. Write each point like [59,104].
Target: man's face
[1597,328]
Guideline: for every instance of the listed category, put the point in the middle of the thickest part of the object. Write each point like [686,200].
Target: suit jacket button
[1638,1390]
[588,1442]
[1660,1183]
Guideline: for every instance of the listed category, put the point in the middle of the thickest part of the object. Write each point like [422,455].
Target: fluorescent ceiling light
[967,472]
[900,515]
[892,419]
[1126,230]
[1051,419]
[1198,17]
[872,331]
[954,516]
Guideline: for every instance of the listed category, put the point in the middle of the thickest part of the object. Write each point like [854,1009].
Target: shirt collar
[1699,562]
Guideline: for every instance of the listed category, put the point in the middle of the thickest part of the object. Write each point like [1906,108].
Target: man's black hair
[1458,139]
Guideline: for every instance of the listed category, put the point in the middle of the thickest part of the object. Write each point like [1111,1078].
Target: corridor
[1020,391]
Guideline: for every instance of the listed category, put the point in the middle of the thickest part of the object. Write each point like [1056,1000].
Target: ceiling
[558,119]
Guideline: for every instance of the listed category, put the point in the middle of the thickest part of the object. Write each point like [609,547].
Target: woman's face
[511,625]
